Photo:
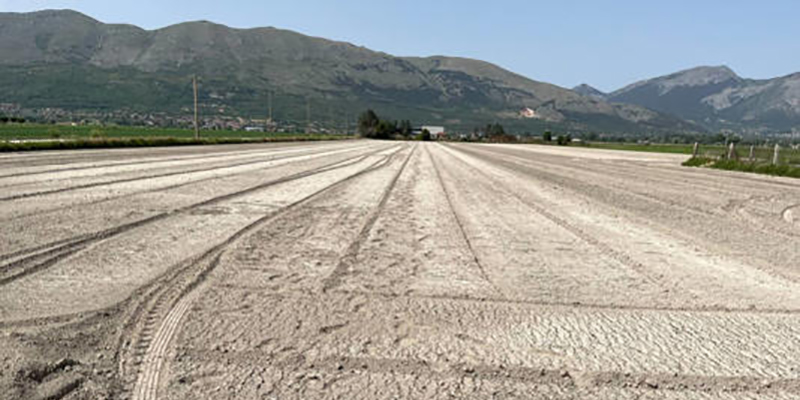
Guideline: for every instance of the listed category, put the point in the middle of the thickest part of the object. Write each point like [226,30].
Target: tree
[426,135]
[368,124]
[385,129]
[495,130]
[564,140]
[405,128]
[548,136]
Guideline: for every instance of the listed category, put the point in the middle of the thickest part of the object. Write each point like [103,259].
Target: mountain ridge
[588,90]
[718,98]
[66,59]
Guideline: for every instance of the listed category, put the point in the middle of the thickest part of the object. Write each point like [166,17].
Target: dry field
[381,270]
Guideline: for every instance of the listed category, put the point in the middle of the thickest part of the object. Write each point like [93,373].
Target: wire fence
[776,155]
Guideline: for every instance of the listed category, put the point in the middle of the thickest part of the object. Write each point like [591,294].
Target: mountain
[717,98]
[589,91]
[67,60]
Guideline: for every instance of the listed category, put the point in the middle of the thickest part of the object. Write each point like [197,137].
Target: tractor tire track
[163,189]
[146,386]
[334,279]
[53,244]
[134,179]
[141,162]
[605,249]
[462,229]
[578,189]
[31,264]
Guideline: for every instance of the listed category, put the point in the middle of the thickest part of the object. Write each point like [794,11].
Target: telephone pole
[269,101]
[308,115]
[196,122]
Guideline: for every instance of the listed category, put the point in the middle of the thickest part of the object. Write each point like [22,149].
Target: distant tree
[548,136]
[426,135]
[564,140]
[385,129]
[494,130]
[719,138]
[368,124]
[405,128]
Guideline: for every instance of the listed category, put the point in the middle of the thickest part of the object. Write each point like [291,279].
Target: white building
[436,131]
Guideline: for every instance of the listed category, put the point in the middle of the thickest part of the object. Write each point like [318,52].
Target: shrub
[426,135]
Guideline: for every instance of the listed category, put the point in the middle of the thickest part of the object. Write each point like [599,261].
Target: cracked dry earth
[379,270]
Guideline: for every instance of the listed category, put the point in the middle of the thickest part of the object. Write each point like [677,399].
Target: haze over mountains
[67,60]
[716,98]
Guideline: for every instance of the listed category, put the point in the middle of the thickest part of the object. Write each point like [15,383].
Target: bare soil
[381,270]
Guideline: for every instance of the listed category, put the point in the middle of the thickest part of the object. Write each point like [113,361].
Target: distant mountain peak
[718,98]
[700,76]
[588,90]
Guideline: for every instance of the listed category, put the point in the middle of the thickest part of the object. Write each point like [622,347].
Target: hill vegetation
[66,60]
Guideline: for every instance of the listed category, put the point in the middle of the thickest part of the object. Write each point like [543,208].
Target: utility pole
[308,115]
[196,122]
[270,107]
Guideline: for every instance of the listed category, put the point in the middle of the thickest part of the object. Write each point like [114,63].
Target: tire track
[460,223]
[528,163]
[146,386]
[166,188]
[577,305]
[573,185]
[788,214]
[748,223]
[134,179]
[141,162]
[32,264]
[334,279]
[693,173]
[19,253]
[604,249]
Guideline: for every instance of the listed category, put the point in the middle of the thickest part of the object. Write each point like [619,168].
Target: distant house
[254,129]
[437,132]
[527,112]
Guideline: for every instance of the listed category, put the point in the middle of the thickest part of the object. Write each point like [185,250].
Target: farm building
[437,132]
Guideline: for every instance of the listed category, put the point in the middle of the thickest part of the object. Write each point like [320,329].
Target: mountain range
[64,59]
[716,98]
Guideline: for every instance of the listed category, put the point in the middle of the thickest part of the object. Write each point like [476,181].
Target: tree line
[373,127]
[12,120]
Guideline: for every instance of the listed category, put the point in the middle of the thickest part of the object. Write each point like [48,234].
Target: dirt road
[370,270]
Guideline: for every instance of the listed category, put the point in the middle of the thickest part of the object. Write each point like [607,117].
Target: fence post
[777,155]
[695,149]
[732,151]
[752,153]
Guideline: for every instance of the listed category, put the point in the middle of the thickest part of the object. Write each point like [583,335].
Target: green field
[653,148]
[787,155]
[28,137]
[39,132]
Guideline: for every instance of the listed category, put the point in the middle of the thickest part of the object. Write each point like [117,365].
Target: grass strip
[107,143]
[745,166]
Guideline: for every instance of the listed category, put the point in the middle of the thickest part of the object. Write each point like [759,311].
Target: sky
[607,44]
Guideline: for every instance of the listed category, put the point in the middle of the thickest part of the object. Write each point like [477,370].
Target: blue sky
[566,42]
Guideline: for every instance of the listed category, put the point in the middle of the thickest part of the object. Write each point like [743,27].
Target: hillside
[718,98]
[67,60]
[587,90]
